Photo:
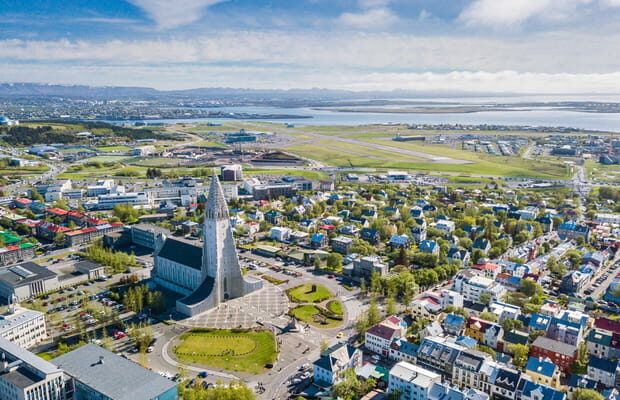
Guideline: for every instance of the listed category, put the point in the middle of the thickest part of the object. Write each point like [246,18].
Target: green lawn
[247,352]
[305,294]
[307,313]
[335,306]
[315,175]
[157,161]
[211,144]
[106,159]
[107,149]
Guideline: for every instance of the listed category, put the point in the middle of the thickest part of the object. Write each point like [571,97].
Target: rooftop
[112,375]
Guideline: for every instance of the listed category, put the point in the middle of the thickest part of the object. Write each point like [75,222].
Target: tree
[586,394]
[351,388]
[476,255]
[373,313]
[530,288]
[580,365]
[510,324]
[520,353]
[488,316]
[485,298]
[390,308]
[317,262]
[334,261]
[36,195]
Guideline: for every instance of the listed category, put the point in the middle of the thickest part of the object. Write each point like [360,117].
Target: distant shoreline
[421,110]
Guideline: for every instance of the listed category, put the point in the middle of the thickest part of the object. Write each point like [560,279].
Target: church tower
[221,277]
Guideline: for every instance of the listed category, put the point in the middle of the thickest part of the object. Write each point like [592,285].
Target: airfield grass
[211,144]
[107,159]
[306,313]
[304,294]
[157,162]
[232,350]
[308,174]
[482,164]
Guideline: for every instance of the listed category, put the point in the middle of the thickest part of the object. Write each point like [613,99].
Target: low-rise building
[543,371]
[561,354]
[280,233]
[330,368]
[379,337]
[91,372]
[17,253]
[412,381]
[145,235]
[26,280]
[25,376]
[342,244]
[604,371]
[23,327]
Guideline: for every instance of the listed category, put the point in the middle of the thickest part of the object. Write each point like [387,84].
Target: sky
[501,46]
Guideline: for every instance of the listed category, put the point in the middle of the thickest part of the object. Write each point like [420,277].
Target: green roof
[267,248]
[9,238]
[26,245]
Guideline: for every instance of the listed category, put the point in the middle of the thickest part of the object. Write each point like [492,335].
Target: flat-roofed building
[25,376]
[26,280]
[95,373]
[23,327]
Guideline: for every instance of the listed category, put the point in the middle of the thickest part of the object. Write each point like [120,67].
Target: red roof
[91,229]
[487,266]
[96,221]
[607,324]
[57,211]
[50,227]
[430,300]
[76,213]
[327,227]
[382,331]
[116,224]
[23,200]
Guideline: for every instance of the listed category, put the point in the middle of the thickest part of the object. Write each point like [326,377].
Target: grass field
[247,352]
[106,159]
[107,149]
[305,294]
[157,162]
[315,175]
[306,313]
[211,144]
[482,164]
[335,306]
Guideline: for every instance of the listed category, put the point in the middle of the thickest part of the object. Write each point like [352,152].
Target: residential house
[560,353]
[604,371]
[486,332]
[488,269]
[572,230]
[342,244]
[529,390]
[379,336]
[402,350]
[453,324]
[319,240]
[482,244]
[330,368]
[412,381]
[370,235]
[543,371]
[504,311]
[456,254]
[429,247]
[399,241]
[472,369]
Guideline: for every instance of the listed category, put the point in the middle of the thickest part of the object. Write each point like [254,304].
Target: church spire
[216,207]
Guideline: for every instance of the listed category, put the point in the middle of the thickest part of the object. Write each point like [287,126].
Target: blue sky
[528,46]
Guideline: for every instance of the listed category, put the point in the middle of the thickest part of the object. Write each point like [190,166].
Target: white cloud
[371,18]
[507,13]
[174,13]
[545,52]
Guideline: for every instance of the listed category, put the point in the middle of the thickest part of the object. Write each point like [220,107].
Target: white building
[379,337]
[135,199]
[604,218]
[101,187]
[445,225]
[474,287]
[330,368]
[25,376]
[280,233]
[505,311]
[23,327]
[143,151]
[413,382]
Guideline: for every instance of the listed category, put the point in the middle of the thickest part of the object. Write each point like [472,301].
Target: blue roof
[539,321]
[453,319]
[317,237]
[580,381]
[541,366]
[466,341]
[547,392]
[603,364]
[427,245]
